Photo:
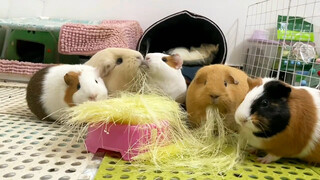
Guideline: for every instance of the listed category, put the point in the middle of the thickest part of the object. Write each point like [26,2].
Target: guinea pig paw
[252,150]
[268,159]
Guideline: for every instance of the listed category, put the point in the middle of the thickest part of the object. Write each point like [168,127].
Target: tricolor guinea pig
[164,72]
[218,86]
[281,119]
[53,88]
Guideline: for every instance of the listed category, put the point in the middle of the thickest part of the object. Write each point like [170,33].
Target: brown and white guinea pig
[54,88]
[117,66]
[281,119]
[164,72]
[219,86]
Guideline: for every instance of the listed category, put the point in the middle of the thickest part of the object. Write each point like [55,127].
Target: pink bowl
[128,140]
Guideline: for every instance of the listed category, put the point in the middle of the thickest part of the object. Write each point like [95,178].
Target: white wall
[228,14]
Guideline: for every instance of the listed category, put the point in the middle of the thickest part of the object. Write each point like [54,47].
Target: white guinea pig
[281,119]
[164,72]
[54,88]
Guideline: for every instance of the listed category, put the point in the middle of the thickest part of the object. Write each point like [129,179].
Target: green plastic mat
[285,169]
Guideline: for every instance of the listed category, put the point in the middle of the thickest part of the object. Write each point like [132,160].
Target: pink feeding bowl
[128,140]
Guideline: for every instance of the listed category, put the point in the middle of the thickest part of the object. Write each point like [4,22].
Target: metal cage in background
[282,40]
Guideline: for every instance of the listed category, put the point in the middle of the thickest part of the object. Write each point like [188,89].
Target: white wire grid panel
[282,40]
[35,149]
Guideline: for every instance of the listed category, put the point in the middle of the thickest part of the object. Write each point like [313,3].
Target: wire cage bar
[282,40]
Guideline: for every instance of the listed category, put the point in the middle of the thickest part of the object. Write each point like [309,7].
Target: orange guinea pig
[219,86]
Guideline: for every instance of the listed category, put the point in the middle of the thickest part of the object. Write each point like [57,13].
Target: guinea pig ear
[253,82]
[278,89]
[177,60]
[105,69]
[71,78]
[231,80]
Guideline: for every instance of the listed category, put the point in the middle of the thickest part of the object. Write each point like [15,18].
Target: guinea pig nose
[148,58]
[93,97]
[214,96]
[144,64]
[242,119]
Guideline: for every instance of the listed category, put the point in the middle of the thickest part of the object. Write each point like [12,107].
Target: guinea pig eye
[264,103]
[205,82]
[225,83]
[164,59]
[119,61]
[96,81]
[78,86]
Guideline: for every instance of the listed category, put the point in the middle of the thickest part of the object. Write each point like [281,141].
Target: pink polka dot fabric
[81,39]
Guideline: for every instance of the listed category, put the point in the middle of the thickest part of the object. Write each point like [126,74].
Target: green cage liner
[183,29]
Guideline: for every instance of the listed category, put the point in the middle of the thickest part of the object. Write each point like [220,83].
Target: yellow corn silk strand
[211,147]
[131,109]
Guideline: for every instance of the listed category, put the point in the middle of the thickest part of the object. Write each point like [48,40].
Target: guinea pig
[53,88]
[197,55]
[219,86]
[164,72]
[118,67]
[282,120]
